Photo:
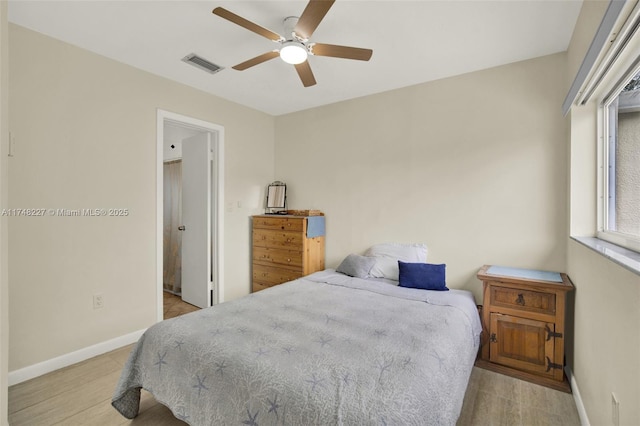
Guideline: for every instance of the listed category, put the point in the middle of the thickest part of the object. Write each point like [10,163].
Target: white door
[196,220]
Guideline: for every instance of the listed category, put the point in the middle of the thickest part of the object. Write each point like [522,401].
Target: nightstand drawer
[524,300]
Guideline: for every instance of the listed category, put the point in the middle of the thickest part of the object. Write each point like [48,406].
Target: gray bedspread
[321,350]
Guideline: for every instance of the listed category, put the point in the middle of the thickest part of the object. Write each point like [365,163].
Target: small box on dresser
[523,321]
[286,247]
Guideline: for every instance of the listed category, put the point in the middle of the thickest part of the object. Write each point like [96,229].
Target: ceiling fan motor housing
[289,23]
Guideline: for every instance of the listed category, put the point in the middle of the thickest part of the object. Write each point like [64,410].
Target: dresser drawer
[259,285]
[267,255]
[270,275]
[277,239]
[279,223]
[527,300]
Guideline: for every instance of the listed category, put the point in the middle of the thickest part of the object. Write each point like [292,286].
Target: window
[621,164]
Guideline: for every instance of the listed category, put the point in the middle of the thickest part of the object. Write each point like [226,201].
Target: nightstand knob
[493,338]
[520,300]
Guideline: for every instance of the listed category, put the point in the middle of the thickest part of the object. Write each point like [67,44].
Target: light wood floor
[174,306]
[81,395]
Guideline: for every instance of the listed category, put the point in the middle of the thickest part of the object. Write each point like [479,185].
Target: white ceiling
[412,41]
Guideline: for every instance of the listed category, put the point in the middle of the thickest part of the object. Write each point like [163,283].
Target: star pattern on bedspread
[161,361]
[288,349]
[346,378]
[261,352]
[380,333]
[323,340]
[329,318]
[406,361]
[435,355]
[179,344]
[315,382]
[220,366]
[273,405]
[251,421]
[384,366]
[200,385]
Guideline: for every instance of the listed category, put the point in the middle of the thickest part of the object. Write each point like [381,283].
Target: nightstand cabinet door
[523,343]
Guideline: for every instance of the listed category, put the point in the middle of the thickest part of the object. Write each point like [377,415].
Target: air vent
[202,63]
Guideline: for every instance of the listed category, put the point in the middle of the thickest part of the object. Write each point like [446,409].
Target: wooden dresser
[286,247]
[523,320]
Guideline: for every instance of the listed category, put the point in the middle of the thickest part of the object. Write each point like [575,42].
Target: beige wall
[606,339]
[85,132]
[605,354]
[474,166]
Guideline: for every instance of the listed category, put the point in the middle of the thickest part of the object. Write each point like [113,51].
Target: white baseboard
[582,412]
[32,371]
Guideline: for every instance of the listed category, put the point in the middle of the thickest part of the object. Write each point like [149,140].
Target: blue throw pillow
[425,276]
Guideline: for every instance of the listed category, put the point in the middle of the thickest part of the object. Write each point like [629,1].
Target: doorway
[174,131]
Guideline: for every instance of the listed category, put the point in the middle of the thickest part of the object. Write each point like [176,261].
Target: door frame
[217,201]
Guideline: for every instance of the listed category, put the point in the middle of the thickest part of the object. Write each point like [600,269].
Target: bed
[324,349]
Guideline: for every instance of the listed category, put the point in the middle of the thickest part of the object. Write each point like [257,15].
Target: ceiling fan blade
[239,20]
[311,17]
[305,73]
[257,60]
[346,52]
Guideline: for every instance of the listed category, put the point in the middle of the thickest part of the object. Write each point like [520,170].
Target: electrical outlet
[98,301]
[615,410]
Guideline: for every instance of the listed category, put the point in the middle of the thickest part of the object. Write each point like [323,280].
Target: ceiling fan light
[293,52]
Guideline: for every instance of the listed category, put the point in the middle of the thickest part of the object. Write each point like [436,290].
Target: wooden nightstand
[523,319]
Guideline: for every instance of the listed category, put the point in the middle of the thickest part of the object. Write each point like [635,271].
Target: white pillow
[388,254]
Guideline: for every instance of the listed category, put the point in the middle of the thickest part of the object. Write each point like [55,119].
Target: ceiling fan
[295,47]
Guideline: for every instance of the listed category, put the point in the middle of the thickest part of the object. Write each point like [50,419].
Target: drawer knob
[288,260]
[520,300]
[493,338]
